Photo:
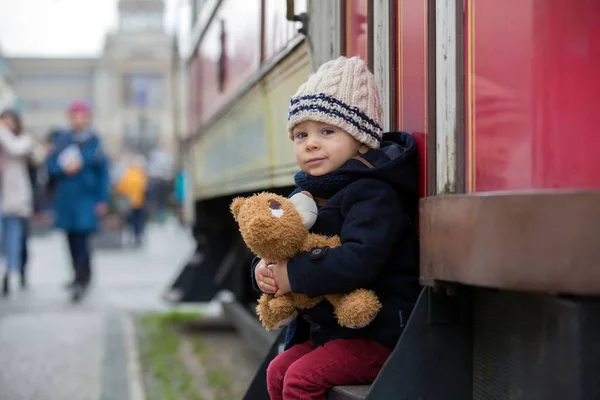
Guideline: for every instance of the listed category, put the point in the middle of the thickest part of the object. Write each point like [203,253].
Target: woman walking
[16,193]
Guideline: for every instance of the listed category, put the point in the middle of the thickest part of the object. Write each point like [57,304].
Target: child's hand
[280,273]
[264,278]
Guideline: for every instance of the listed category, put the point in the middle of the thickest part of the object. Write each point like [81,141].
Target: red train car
[501,97]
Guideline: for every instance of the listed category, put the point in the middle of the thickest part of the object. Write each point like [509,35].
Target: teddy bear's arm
[314,240]
[356,309]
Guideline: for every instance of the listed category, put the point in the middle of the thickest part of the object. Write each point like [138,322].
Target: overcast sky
[73,28]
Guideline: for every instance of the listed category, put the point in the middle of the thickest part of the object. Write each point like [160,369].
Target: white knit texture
[345,80]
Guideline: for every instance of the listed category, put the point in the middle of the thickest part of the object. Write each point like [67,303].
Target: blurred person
[79,166]
[132,185]
[24,254]
[32,167]
[17,196]
[160,186]
[49,181]
[180,192]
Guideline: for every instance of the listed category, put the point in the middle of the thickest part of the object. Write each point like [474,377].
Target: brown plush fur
[278,238]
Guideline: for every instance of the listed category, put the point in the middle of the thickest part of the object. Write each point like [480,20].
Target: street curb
[134,370]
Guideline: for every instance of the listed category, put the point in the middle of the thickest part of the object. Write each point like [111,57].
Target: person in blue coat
[79,166]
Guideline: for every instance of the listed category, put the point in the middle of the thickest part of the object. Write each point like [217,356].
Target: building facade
[46,86]
[129,87]
[7,92]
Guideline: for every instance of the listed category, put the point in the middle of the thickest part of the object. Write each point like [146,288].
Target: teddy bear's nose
[274,205]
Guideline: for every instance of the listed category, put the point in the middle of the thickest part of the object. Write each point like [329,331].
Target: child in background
[133,186]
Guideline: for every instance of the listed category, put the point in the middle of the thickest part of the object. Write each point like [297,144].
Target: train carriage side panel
[247,148]
[247,62]
[246,67]
[278,87]
[233,152]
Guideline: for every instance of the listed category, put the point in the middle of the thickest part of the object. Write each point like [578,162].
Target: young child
[366,185]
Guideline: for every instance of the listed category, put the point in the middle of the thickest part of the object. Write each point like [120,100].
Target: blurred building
[7,92]
[130,86]
[46,86]
[134,79]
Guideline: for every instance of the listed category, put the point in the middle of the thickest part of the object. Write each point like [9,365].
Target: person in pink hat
[79,166]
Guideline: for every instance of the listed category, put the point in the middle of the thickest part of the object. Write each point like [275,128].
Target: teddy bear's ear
[306,206]
[236,205]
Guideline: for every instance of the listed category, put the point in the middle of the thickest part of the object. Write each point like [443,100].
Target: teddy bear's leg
[282,311]
[356,309]
[265,315]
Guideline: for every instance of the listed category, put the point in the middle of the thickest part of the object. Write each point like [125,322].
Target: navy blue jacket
[373,215]
[76,196]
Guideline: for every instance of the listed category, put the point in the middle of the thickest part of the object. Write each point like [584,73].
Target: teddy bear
[276,228]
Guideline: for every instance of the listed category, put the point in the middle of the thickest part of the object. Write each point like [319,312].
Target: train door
[401,59]
[356,28]
[410,41]
[431,92]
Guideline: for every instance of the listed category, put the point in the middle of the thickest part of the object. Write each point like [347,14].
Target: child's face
[322,148]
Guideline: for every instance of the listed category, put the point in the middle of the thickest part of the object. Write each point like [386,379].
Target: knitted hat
[342,93]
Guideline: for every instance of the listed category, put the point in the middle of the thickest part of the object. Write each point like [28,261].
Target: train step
[355,392]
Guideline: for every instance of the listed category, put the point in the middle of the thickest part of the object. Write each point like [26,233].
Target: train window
[356,30]
[531,117]
[229,53]
[278,32]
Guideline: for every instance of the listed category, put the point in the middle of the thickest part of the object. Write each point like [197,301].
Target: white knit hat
[342,93]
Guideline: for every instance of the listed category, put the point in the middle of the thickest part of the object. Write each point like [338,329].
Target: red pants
[301,373]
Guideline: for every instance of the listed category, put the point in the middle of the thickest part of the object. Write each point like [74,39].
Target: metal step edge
[351,392]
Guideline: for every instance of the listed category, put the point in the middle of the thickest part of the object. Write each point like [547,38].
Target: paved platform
[52,349]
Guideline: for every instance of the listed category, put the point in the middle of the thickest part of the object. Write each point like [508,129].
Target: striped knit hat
[342,93]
